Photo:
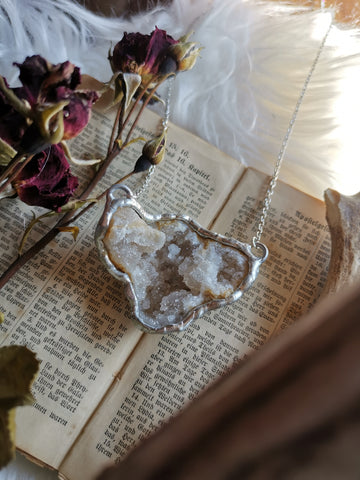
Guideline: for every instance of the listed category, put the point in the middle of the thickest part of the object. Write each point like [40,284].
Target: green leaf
[18,367]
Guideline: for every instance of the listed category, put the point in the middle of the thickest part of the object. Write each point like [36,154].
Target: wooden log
[121,7]
[342,214]
[291,411]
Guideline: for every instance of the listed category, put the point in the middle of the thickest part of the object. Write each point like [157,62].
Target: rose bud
[185,55]
[46,181]
[142,164]
[154,149]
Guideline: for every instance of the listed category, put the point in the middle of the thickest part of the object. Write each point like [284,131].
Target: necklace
[175,270]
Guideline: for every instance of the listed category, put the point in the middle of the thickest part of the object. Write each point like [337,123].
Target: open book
[103,384]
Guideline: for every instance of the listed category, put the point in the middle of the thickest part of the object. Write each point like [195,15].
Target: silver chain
[285,142]
[165,126]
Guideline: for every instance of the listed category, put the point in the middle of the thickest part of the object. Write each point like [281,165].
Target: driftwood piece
[343,217]
[292,411]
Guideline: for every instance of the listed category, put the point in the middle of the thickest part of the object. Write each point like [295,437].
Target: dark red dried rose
[43,86]
[40,79]
[46,181]
[146,55]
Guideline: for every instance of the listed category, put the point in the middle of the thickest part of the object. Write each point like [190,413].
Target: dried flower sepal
[126,86]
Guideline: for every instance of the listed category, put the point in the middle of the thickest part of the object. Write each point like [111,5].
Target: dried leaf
[75,204]
[7,436]
[18,367]
[132,82]
[82,162]
[126,84]
[6,153]
[134,140]
[73,230]
[72,205]
[31,225]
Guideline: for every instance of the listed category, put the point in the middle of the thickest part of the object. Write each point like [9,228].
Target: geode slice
[175,269]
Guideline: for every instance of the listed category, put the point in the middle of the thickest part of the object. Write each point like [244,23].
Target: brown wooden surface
[292,411]
[121,7]
[347,11]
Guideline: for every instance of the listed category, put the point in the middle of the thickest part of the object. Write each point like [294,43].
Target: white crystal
[172,268]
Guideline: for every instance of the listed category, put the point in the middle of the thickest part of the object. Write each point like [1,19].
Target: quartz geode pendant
[174,270]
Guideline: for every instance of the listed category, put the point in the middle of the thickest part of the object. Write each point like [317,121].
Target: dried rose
[46,181]
[41,78]
[146,55]
[56,108]
[45,83]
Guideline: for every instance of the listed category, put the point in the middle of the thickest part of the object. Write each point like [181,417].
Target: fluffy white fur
[241,94]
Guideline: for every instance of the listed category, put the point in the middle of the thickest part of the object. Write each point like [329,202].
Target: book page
[167,372]
[67,308]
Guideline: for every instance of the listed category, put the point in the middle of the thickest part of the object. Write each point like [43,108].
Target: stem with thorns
[48,237]
[20,161]
[71,216]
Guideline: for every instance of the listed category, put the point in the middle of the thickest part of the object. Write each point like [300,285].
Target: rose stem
[48,237]
[12,175]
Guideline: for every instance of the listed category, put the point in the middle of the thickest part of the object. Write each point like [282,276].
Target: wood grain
[291,411]
[346,11]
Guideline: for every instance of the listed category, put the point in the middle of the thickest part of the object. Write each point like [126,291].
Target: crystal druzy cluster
[172,268]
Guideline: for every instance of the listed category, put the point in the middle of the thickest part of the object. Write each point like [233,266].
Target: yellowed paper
[63,304]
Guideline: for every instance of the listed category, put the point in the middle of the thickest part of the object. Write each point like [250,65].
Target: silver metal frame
[128,200]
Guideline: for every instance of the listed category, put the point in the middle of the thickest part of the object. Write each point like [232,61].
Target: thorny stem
[48,237]
[119,122]
[14,162]
[70,216]
[144,105]
[11,175]
[134,105]
[99,197]
[119,116]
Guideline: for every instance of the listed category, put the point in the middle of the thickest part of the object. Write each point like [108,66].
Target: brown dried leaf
[18,367]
